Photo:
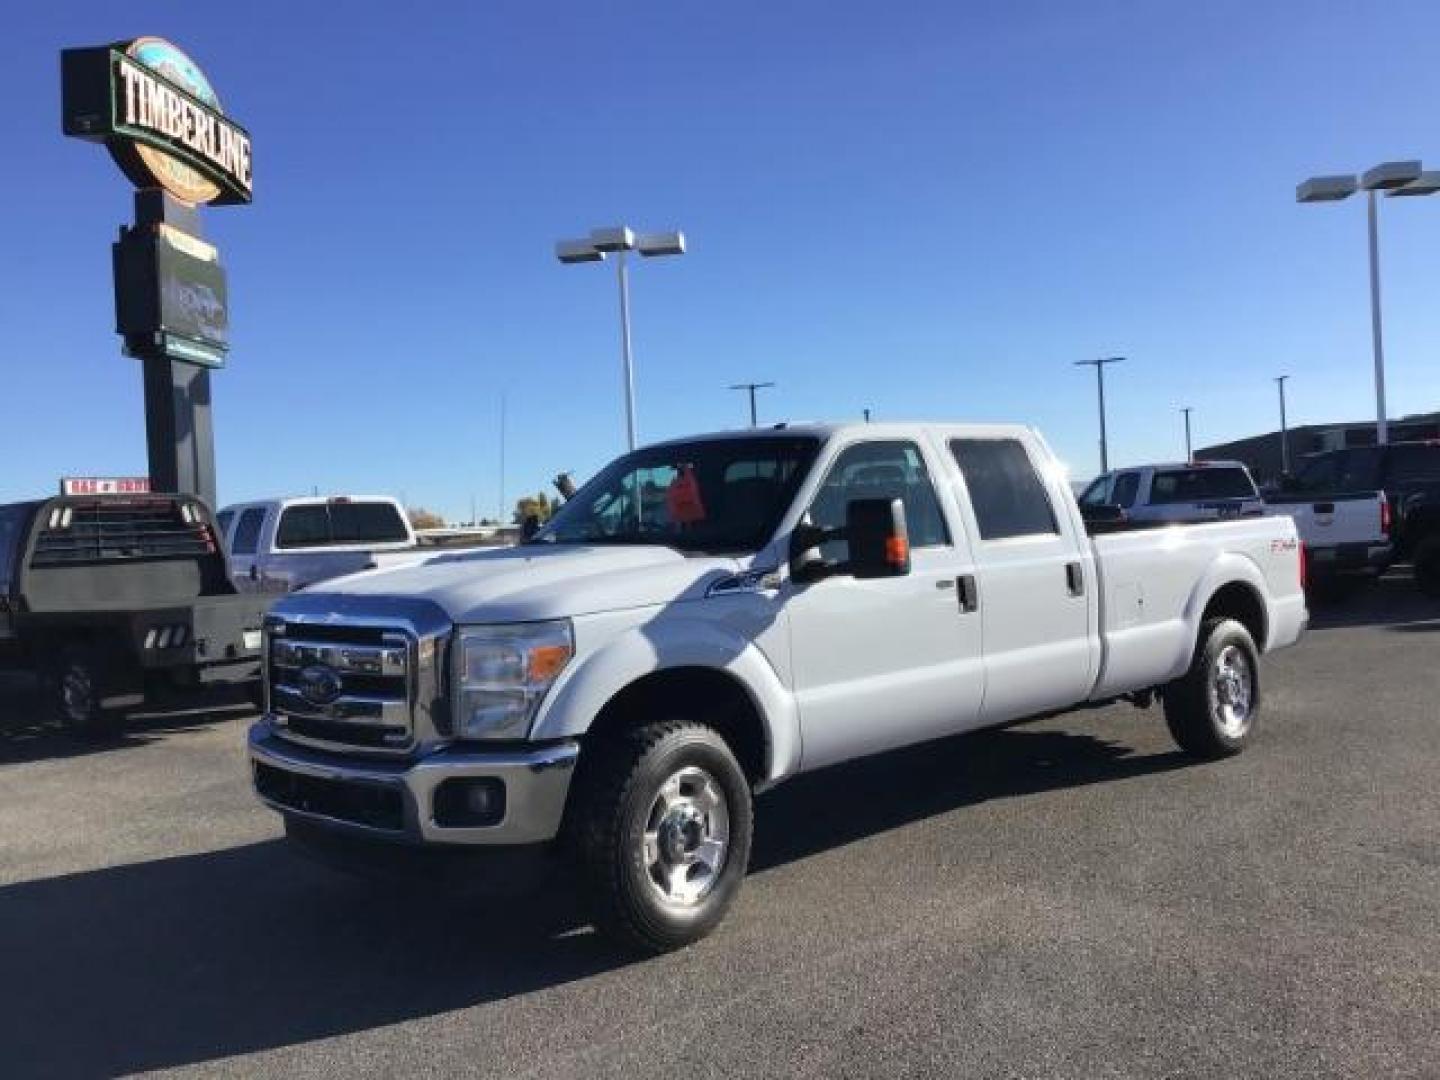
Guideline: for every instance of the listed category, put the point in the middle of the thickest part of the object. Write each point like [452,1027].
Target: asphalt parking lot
[1070,897]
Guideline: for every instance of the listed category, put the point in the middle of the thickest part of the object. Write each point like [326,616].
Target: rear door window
[1007,493]
[247,532]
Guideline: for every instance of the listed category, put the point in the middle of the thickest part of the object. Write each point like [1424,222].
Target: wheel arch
[712,677]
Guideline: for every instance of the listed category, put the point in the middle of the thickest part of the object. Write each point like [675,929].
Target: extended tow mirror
[1104,517]
[879,538]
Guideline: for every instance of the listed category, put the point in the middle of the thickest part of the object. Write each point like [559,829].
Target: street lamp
[752,387]
[1099,366]
[620,241]
[1187,410]
[1284,428]
[1395,178]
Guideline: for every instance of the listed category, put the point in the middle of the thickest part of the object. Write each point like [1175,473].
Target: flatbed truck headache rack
[114,601]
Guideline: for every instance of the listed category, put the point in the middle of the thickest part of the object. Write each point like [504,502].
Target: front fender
[652,647]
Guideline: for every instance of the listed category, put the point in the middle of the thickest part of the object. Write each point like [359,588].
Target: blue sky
[927,209]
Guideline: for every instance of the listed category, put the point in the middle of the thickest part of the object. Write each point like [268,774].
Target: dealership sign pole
[156,112]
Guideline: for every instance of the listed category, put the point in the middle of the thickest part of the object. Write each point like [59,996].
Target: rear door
[1034,585]
[245,547]
[884,662]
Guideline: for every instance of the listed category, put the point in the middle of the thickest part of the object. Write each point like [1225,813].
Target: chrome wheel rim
[686,838]
[77,693]
[1232,691]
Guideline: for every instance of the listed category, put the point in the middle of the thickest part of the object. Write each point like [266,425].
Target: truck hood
[537,581]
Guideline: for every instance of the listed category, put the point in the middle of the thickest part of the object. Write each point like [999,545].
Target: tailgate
[1332,520]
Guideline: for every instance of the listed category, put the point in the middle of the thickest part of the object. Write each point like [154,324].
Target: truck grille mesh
[342,687]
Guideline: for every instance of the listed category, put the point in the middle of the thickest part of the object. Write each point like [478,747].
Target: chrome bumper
[536,781]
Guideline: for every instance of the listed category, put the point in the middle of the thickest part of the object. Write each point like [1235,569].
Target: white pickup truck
[281,545]
[712,615]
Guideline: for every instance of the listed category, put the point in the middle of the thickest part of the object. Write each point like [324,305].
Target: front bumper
[395,800]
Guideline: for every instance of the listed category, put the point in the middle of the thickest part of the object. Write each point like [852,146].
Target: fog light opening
[470,803]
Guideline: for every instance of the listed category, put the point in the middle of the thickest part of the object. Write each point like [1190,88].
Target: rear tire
[1211,710]
[72,687]
[662,827]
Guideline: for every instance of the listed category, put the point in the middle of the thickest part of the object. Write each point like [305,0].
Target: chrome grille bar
[354,689]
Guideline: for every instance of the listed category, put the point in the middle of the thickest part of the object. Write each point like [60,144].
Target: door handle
[1075,579]
[969,594]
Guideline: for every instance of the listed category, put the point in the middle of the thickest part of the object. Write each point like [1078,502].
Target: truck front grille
[342,687]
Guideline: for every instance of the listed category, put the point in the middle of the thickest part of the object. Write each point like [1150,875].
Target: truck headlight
[503,672]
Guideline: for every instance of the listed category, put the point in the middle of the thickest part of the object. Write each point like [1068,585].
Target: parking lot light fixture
[1284,428]
[1427,183]
[1099,366]
[1403,178]
[620,240]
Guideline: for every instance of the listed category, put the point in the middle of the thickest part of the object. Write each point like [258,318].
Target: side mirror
[530,526]
[1104,517]
[879,538]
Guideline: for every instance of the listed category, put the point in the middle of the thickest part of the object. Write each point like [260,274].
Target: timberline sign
[155,110]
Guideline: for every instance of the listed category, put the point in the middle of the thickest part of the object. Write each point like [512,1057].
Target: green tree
[420,518]
[538,504]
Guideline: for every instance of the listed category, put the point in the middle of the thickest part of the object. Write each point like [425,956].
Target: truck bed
[1154,583]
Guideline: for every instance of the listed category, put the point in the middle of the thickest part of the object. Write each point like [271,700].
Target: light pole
[1187,410]
[1099,366]
[1284,428]
[620,241]
[752,387]
[1394,178]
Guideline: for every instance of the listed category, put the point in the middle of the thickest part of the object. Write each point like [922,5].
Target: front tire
[1211,710]
[662,828]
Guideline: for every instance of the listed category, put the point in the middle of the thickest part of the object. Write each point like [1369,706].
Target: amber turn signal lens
[546,661]
[897,550]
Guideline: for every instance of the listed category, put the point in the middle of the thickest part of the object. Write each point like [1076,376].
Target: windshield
[712,495]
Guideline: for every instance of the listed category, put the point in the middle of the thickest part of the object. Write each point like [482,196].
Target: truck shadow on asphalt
[1394,602]
[210,955]
[26,735]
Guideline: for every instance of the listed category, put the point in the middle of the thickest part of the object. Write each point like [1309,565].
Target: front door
[884,662]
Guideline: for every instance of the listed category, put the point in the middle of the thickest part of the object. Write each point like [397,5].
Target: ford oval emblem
[320,685]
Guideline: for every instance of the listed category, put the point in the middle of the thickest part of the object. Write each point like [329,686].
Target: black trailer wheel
[73,685]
